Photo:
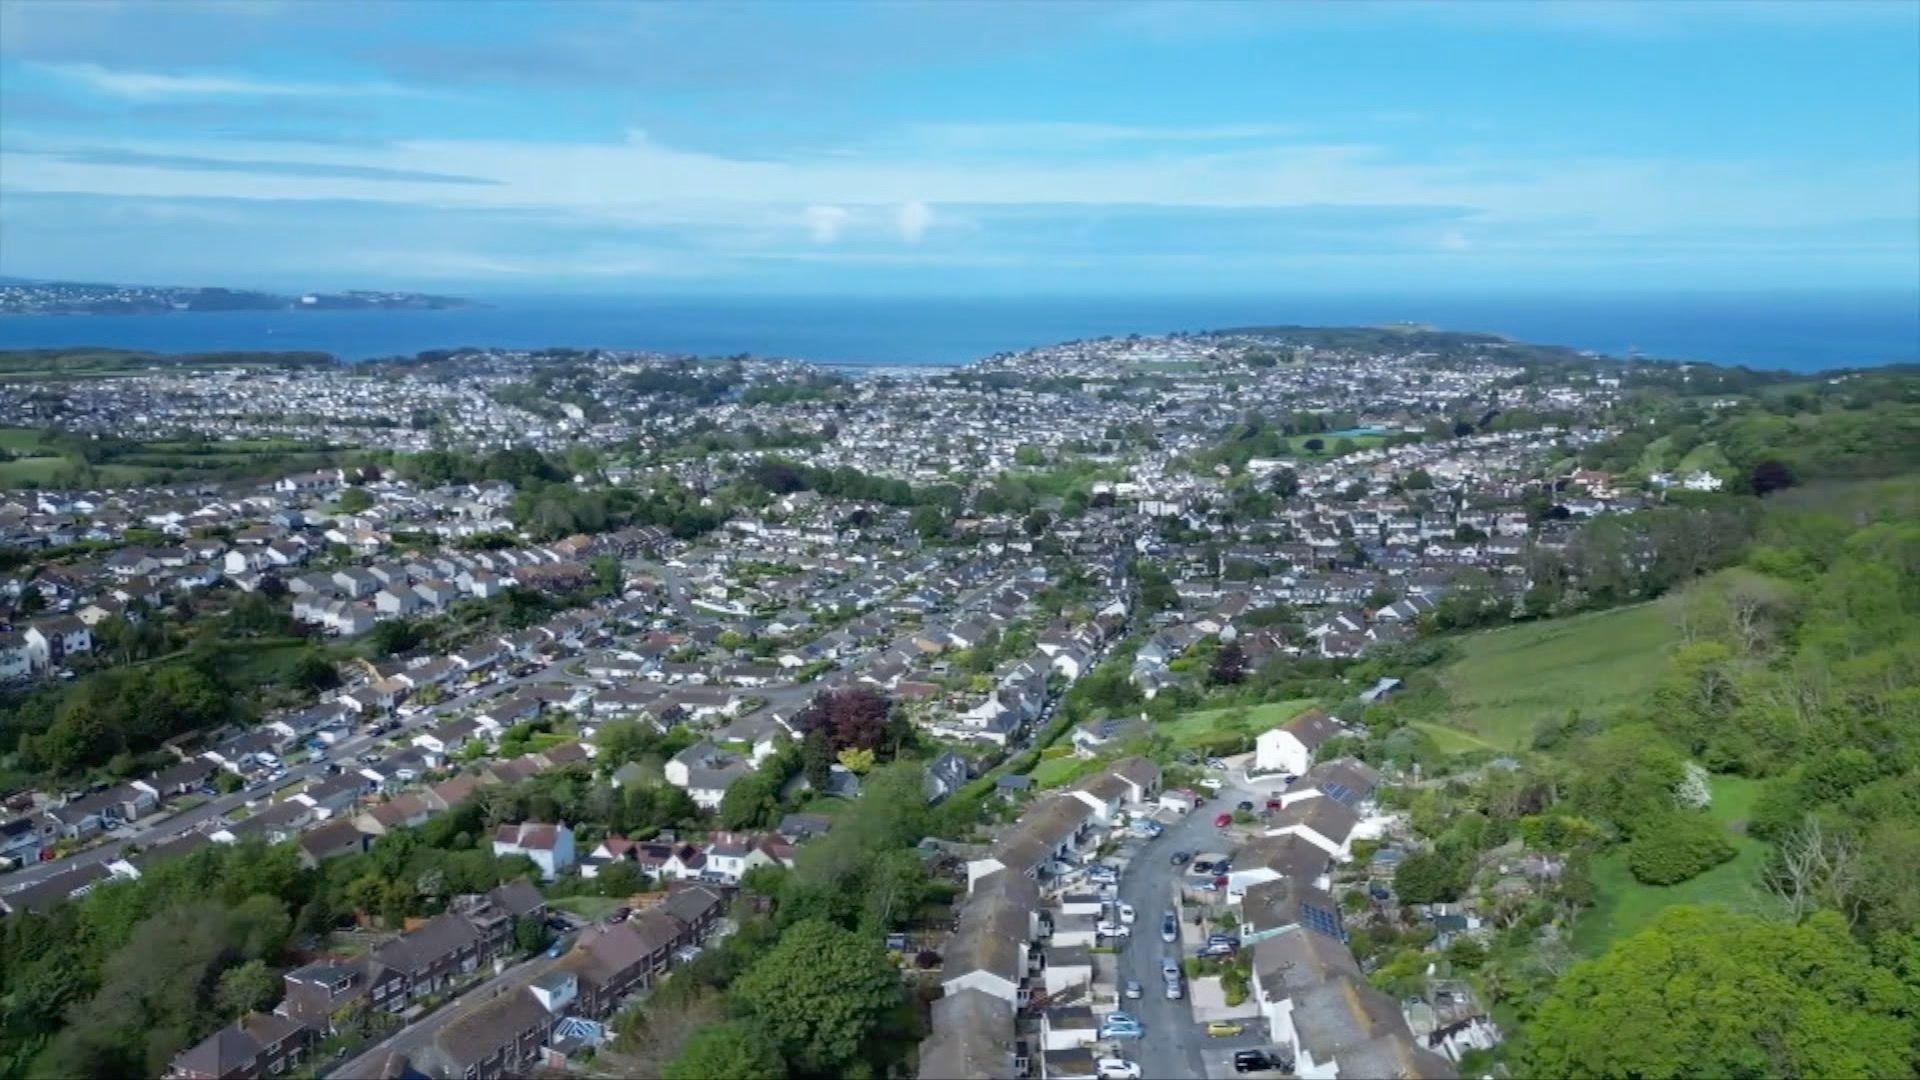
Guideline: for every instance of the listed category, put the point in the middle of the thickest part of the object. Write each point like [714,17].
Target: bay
[1795,331]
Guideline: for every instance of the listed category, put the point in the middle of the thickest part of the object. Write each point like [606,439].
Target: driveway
[1175,1044]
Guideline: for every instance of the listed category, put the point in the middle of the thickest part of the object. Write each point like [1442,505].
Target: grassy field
[1624,905]
[1508,680]
[1195,727]
[43,464]
[1453,740]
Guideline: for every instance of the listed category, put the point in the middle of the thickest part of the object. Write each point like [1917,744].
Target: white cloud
[913,219]
[1455,240]
[143,85]
[825,222]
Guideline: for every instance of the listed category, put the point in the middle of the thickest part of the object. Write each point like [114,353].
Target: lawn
[1506,681]
[1060,771]
[1624,905]
[1195,727]
[593,908]
[1452,740]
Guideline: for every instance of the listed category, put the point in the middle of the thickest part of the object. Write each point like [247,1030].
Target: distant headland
[24,297]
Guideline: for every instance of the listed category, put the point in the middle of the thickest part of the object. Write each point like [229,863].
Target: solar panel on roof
[1339,792]
[1320,920]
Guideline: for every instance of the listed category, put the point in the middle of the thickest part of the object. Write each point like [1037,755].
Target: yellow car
[1224,1028]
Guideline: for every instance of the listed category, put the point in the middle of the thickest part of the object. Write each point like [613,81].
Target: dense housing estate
[966,547]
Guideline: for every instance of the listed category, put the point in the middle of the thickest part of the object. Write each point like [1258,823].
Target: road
[1175,1045]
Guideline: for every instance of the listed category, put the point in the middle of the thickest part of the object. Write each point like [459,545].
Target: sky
[963,148]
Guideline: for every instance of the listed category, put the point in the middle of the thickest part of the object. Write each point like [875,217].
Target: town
[640,632]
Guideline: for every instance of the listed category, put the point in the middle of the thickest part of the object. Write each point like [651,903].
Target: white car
[1113,929]
[1126,914]
[1211,783]
[1117,1069]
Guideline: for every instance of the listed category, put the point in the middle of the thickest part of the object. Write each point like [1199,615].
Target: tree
[251,987]
[1677,847]
[1708,992]
[736,1048]
[856,717]
[1284,483]
[314,673]
[1769,476]
[529,935]
[1431,877]
[1315,445]
[819,993]
[355,500]
[1229,665]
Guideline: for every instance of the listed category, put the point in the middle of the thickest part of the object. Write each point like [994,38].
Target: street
[1175,1044]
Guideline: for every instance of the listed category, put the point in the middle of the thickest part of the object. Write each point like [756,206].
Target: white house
[1290,747]
[549,846]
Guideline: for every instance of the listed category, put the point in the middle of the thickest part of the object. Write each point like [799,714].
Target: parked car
[1133,988]
[1169,967]
[1223,939]
[1222,821]
[1216,763]
[1113,929]
[1255,1061]
[1217,949]
[1170,928]
[1246,805]
[1119,1025]
[1223,1029]
[1174,990]
[1117,1069]
[1181,858]
[1126,914]
[1211,783]
[1102,874]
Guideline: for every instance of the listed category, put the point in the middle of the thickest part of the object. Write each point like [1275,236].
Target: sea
[1795,331]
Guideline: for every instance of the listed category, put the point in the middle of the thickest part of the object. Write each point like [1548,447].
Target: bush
[1431,877]
[1676,848]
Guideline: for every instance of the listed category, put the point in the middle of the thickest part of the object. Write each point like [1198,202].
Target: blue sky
[965,148]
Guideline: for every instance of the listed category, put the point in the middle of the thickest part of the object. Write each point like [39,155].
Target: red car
[1223,821]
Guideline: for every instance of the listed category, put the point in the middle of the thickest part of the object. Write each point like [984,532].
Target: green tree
[735,1049]
[819,993]
[1705,992]
[1677,847]
[251,987]
[354,500]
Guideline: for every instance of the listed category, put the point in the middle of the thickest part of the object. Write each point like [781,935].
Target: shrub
[1676,848]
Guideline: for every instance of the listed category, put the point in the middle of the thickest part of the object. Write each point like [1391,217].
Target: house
[946,774]
[256,1045]
[502,1037]
[704,772]
[1326,823]
[613,961]
[1290,747]
[549,846]
[971,1037]
[52,640]
[330,841]
[988,951]
[422,961]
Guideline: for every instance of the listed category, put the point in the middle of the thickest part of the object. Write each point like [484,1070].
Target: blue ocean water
[1797,331]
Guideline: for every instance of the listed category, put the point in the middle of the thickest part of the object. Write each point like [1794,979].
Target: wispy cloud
[315,169]
[825,222]
[914,218]
[151,85]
